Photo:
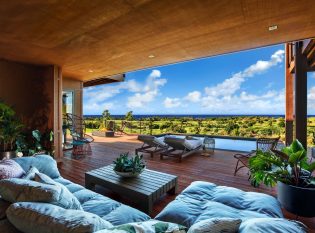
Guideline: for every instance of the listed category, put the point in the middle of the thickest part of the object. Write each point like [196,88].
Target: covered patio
[49,49]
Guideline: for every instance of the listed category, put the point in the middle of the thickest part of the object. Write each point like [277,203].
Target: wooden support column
[289,104]
[57,73]
[300,94]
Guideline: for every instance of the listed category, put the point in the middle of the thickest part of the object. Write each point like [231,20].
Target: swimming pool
[235,144]
[229,143]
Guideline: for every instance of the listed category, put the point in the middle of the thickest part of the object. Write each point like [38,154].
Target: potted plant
[292,173]
[35,143]
[10,129]
[129,167]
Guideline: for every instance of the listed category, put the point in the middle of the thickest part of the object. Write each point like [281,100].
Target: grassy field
[229,126]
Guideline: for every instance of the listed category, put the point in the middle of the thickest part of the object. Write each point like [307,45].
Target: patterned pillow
[152,226]
[10,169]
[216,225]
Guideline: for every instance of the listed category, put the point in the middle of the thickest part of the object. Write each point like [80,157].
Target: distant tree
[129,116]
[231,126]
[281,123]
[106,115]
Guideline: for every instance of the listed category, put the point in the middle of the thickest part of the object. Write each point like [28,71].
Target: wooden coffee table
[145,189]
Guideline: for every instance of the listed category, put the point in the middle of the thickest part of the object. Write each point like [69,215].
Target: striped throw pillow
[216,225]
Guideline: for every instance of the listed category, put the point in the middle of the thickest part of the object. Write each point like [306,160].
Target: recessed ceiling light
[151,56]
[90,71]
[273,27]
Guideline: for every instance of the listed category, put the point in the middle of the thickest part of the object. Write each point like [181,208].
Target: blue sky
[249,82]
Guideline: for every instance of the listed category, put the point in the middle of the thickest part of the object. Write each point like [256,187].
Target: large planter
[7,155]
[297,200]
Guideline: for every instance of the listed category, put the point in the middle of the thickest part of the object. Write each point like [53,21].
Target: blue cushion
[71,202]
[102,206]
[17,190]
[272,225]
[204,200]
[30,174]
[42,217]
[125,214]
[44,163]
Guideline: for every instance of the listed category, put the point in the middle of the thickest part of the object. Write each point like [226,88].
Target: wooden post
[289,104]
[300,94]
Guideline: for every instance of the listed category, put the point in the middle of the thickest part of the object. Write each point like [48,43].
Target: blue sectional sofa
[201,200]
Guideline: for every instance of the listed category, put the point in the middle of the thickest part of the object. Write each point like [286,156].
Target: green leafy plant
[10,128]
[35,142]
[134,164]
[289,166]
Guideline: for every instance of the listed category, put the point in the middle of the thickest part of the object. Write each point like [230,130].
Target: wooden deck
[218,168]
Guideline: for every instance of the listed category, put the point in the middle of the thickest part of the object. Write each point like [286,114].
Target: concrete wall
[27,89]
[77,88]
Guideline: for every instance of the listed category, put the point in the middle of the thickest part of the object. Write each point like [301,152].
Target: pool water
[235,144]
[231,144]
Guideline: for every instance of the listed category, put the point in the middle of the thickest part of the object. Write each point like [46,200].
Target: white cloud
[193,96]
[231,85]
[172,102]
[223,97]
[148,92]
[95,108]
[95,97]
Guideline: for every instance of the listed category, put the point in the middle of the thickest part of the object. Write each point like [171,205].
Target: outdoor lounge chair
[263,144]
[151,144]
[181,147]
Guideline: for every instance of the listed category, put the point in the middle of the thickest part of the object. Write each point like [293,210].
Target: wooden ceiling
[116,36]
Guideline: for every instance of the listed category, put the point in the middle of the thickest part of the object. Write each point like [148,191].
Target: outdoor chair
[81,146]
[80,140]
[151,145]
[181,147]
[121,130]
[112,127]
[263,144]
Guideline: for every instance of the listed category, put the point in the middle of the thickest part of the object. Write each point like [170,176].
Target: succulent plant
[133,164]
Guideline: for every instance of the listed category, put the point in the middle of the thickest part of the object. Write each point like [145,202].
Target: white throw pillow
[216,225]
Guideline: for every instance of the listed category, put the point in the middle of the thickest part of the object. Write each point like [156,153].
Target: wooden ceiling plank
[114,37]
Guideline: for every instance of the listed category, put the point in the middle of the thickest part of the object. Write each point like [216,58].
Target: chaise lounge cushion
[42,217]
[181,143]
[152,140]
[203,200]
